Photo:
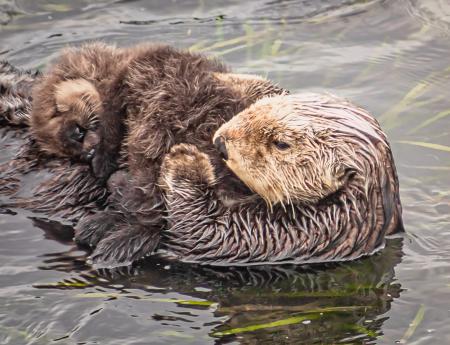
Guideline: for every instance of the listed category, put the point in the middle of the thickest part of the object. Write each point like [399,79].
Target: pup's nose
[219,143]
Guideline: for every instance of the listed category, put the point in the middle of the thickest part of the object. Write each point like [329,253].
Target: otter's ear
[71,91]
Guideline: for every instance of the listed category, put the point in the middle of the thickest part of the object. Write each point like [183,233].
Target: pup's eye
[281,145]
[78,133]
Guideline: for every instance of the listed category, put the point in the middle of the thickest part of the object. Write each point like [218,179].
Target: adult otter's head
[298,148]
[67,127]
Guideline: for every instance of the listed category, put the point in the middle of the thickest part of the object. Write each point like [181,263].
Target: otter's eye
[281,145]
[78,133]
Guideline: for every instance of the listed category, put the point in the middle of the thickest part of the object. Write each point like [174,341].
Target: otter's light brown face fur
[69,128]
[286,150]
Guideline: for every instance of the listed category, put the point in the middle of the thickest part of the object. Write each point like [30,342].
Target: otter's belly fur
[253,233]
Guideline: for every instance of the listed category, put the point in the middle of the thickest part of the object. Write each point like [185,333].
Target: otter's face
[282,154]
[72,130]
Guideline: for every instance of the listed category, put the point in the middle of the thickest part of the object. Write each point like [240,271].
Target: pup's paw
[186,164]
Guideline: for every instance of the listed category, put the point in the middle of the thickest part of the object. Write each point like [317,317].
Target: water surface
[392,57]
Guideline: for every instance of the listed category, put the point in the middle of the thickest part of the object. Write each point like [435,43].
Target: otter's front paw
[103,165]
[185,163]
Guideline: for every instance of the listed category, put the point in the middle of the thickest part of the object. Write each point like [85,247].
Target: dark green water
[392,57]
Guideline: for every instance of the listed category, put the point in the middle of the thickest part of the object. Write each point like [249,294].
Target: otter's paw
[103,165]
[91,230]
[185,163]
[125,245]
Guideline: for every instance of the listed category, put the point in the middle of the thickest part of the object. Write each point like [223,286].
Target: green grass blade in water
[389,119]
[279,323]
[431,120]
[146,298]
[414,324]
[426,145]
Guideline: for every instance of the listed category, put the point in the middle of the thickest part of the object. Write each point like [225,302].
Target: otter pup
[322,167]
[68,117]
[80,106]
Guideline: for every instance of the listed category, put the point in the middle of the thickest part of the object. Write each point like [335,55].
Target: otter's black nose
[219,143]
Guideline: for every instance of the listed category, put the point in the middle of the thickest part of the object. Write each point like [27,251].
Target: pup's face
[282,155]
[72,129]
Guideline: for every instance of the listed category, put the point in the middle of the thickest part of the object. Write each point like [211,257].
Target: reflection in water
[256,304]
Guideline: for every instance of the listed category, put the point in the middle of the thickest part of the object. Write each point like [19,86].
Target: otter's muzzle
[219,143]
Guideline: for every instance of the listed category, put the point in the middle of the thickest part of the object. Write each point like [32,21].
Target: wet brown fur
[309,165]
[344,225]
[59,187]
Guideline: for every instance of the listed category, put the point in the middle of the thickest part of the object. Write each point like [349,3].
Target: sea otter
[325,176]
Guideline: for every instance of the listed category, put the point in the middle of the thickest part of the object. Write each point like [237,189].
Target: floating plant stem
[431,120]
[235,40]
[389,118]
[298,309]
[279,323]
[426,145]
[146,298]
[414,324]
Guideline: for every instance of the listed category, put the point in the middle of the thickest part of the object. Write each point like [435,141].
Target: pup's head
[70,127]
[297,148]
